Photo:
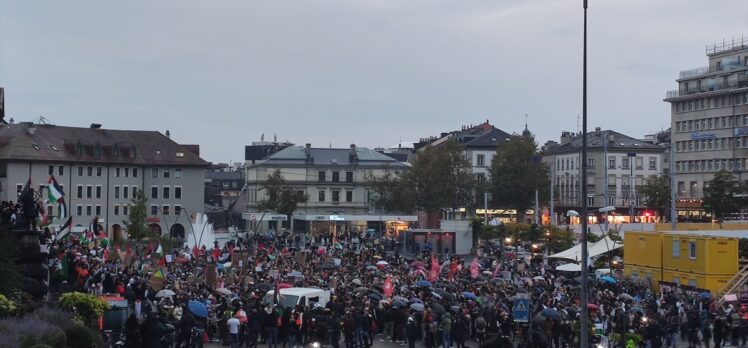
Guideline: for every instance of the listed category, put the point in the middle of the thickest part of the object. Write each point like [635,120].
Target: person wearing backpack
[480,330]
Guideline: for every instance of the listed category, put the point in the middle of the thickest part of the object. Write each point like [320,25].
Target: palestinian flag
[54,191]
[65,228]
[161,258]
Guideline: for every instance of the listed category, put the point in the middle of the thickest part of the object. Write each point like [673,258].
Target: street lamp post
[584,320]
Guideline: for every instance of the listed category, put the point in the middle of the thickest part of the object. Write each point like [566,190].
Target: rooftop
[331,156]
[598,139]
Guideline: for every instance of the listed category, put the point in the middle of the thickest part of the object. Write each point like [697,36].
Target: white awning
[570,267]
[603,246]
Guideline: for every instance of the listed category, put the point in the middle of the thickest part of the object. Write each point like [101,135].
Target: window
[154,210]
[590,163]
[115,150]
[51,170]
[335,196]
[98,191]
[590,200]
[177,210]
[116,192]
[652,163]
[335,176]
[127,172]
[134,191]
[125,209]
[89,171]
[639,163]
[89,191]
[167,174]
[321,195]
[154,173]
[98,171]
[625,163]
[177,173]
[349,196]
[135,172]
[676,248]
[177,192]
[692,250]
[80,171]
[89,210]
[154,192]
[167,192]
[116,210]
[117,172]
[80,191]
[98,210]
[180,154]
[611,163]
[321,176]
[79,210]
[348,176]
[165,210]
[480,160]
[60,170]
[125,191]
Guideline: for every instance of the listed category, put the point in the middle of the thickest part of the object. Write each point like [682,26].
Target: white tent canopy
[593,249]
[570,267]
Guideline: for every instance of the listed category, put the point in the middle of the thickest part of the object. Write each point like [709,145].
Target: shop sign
[702,135]
[336,218]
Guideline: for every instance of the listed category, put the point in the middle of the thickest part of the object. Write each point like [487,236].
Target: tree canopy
[136,226]
[656,193]
[720,194]
[280,197]
[516,172]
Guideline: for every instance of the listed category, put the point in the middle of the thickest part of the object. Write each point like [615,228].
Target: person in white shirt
[233,325]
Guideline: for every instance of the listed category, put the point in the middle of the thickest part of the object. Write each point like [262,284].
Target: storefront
[342,224]
[417,241]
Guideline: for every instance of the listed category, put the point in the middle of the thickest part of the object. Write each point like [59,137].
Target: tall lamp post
[584,332]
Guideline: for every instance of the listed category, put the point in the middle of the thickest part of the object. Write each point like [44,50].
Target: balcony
[740,83]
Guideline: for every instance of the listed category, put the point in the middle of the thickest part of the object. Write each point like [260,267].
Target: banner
[388,288]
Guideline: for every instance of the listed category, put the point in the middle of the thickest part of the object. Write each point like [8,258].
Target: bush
[7,307]
[80,336]
[84,306]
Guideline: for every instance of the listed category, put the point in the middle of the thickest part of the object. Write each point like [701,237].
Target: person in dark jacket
[153,330]
[186,323]
[459,330]
[411,332]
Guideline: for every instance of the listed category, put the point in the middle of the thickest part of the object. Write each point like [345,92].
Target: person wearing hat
[411,332]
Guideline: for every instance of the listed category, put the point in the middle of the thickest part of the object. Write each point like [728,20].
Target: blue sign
[521,310]
[702,135]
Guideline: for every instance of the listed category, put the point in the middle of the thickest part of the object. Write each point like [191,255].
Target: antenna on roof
[578,123]
[41,120]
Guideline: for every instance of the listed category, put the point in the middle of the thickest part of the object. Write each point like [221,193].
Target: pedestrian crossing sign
[521,310]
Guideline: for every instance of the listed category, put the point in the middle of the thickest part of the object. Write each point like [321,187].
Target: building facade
[709,123]
[616,165]
[100,171]
[335,182]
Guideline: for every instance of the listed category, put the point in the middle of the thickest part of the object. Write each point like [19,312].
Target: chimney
[308,151]
[308,146]
[353,156]
[597,131]
[95,125]
[168,134]
[565,137]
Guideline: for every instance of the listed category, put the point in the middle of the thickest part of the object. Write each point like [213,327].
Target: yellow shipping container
[700,254]
[651,275]
[643,249]
[713,283]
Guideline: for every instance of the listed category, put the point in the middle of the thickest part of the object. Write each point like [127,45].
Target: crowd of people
[220,293]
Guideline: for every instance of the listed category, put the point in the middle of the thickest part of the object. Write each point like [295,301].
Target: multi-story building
[480,143]
[616,165]
[335,181]
[100,170]
[709,122]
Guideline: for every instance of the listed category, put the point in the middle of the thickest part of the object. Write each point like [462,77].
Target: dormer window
[54,148]
[133,151]
[78,148]
[180,154]
[115,150]
[97,149]
[158,152]
[36,147]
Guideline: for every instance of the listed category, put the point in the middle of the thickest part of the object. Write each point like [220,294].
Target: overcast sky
[373,73]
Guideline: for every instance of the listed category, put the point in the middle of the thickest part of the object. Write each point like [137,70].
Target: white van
[291,297]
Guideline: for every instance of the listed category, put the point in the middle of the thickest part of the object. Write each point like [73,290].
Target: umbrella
[626,297]
[165,293]
[382,263]
[487,272]
[705,295]
[263,287]
[361,289]
[592,306]
[399,299]
[418,263]
[400,304]
[415,300]
[550,313]
[469,295]
[223,291]
[418,307]
[375,296]
[638,309]
[538,278]
[370,267]
[227,264]
[438,309]
[436,295]
[424,283]
[497,280]
[608,279]
[377,257]
[357,282]
[284,286]
[198,309]
[572,311]
[454,309]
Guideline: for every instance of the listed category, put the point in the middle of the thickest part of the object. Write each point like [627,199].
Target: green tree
[280,197]
[516,173]
[720,195]
[10,278]
[136,226]
[86,307]
[439,178]
[656,193]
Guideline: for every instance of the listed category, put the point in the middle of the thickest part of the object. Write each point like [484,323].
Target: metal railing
[726,45]
[693,72]
[741,82]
